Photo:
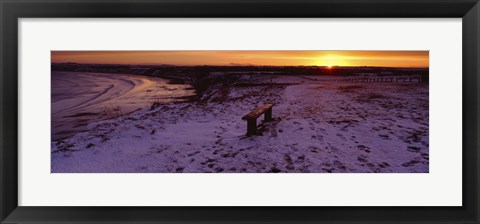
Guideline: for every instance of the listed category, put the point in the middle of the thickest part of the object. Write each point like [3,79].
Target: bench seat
[258,111]
[251,117]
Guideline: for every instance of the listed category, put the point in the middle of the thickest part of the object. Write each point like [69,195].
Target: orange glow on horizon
[271,58]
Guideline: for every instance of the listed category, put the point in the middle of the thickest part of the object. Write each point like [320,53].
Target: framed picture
[246,112]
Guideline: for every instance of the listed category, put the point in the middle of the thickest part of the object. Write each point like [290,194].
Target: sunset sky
[274,58]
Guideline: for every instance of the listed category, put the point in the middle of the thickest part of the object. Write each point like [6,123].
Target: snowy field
[318,126]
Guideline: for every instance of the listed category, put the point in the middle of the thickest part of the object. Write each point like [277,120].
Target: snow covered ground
[318,126]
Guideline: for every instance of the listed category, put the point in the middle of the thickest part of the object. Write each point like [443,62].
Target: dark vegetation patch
[250,84]
[349,88]
[370,97]
[373,96]
[63,146]
[83,114]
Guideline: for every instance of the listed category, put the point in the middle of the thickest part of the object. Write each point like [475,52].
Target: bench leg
[268,115]
[251,127]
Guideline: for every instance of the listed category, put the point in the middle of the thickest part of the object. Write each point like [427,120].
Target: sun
[330,61]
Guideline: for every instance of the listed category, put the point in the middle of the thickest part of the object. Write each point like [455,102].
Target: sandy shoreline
[318,126]
[80,98]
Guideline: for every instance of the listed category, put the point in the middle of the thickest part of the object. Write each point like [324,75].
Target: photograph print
[240,111]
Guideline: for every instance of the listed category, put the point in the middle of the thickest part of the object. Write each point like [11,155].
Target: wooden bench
[251,117]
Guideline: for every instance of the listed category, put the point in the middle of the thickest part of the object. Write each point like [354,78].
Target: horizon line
[240,65]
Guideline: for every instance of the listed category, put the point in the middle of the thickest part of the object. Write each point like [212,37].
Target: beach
[80,98]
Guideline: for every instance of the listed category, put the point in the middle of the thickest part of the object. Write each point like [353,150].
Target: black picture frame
[12,10]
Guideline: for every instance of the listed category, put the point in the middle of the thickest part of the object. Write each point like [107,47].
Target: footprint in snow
[413,149]
[411,163]
[385,137]
[341,136]
[364,148]
[362,159]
